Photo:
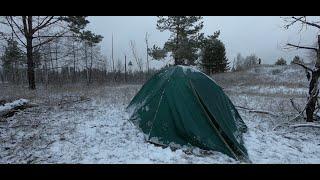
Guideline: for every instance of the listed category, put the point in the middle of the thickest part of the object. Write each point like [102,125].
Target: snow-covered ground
[67,127]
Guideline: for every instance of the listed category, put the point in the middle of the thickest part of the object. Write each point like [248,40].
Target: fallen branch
[256,111]
[9,109]
[296,117]
[313,125]
[287,122]
[46,146]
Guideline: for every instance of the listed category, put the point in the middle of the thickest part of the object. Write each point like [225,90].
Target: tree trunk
[30,62]
[176,59]
[12,73]
[31,77]
[147,54]
[74,62]
[313,95]
[16,72]
[90,69]
[46,74]
[112,54]
[125,68]
[313,88]
[86,62]
[57,64]
[51,71]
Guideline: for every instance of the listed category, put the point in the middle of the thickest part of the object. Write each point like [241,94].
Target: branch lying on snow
[287,122]
[313,125]
[257,111]
[9,109]
[296,117]
[299,115]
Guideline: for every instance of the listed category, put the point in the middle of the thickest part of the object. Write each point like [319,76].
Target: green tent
[181,106]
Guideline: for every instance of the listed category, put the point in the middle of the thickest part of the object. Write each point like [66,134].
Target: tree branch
[50,39]
[306,22]
[304,66]
[313,125]
[55,36]
[12,28]
[256,111]
[43,20]
[302,47]
[46,24]
[19,28]
[288,25]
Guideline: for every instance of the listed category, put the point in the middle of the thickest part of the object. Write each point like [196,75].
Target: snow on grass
[267,146]
[106,136]
[264,89]
[98,131]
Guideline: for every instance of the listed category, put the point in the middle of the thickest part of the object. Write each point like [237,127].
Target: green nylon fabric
[182,106]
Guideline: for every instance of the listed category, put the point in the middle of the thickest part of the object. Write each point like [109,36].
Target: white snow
[98,131]
[194,69]
[12,105]
[264,89]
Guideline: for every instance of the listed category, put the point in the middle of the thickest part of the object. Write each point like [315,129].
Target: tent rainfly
[181,106]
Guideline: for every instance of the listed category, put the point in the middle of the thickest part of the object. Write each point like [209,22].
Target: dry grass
[290,76]
[54,95]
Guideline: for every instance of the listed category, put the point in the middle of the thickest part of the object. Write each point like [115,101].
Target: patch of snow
[263,89]
[12,105]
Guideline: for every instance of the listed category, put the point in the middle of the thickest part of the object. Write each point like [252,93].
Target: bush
[276,71]
[281,62]
[297,59]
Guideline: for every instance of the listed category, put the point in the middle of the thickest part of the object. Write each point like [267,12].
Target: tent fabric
[181,106]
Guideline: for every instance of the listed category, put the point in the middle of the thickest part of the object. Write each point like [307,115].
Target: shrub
[281,62]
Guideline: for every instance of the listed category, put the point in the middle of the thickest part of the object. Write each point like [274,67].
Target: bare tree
[112,53]
[147,44]
[312,55]
[74,53]
[125,68]
[315,71]
[34,31]
[135,55]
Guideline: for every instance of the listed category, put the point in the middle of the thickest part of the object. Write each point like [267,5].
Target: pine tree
[12,58]
[213,55]
[281,62]
[184,39]
[156,52]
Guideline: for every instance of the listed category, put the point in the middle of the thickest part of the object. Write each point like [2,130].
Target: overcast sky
[261,35]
